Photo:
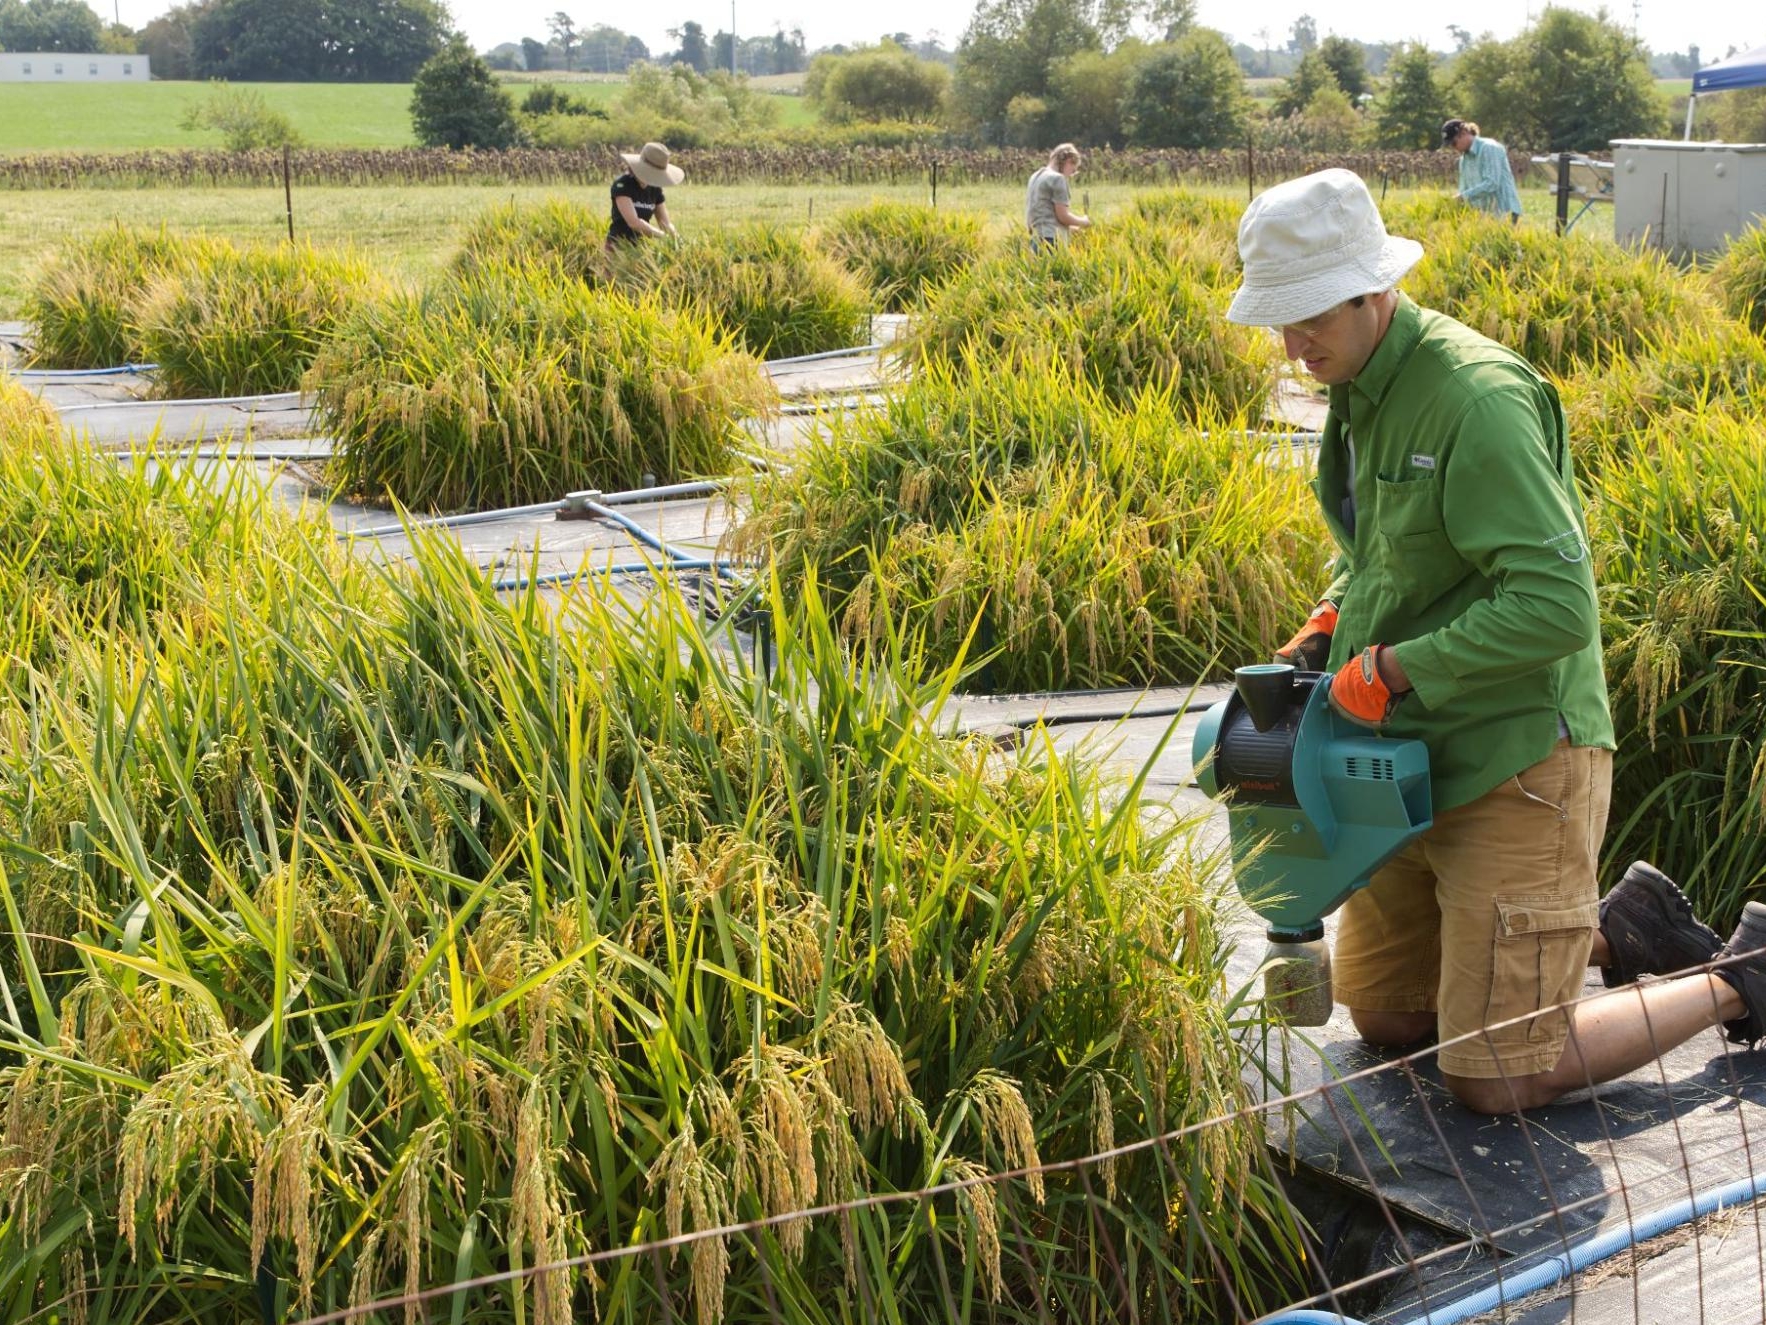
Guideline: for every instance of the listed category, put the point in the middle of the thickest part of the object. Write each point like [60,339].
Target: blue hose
[623,568]
[1551,1269]
[123,371]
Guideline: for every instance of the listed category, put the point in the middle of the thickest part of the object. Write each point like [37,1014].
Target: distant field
[105,117]
[117,117]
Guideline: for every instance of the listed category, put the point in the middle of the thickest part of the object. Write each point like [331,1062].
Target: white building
[69,67]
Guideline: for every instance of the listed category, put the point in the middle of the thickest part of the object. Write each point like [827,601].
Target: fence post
[1563,192]
[287,193]
[1250,168]
[935,181]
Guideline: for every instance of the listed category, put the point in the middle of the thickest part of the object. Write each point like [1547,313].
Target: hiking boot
[1650,928]
[1748,975]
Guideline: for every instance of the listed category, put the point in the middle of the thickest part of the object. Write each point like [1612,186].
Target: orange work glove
[1359,693]
[1310,649]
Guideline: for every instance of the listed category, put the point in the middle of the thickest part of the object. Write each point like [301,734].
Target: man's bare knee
[1500,1095]
[1391,1030]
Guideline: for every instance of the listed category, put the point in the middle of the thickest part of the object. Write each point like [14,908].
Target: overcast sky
[1715,25]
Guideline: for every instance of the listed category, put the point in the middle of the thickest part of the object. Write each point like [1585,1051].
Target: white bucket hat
[651,165]
[1309,244]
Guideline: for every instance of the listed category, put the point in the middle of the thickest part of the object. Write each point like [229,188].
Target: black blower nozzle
[1268,692]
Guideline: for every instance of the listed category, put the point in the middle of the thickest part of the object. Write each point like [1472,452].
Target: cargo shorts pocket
[1538,959]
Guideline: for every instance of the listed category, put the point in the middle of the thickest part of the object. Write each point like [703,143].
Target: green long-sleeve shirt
[1465,547]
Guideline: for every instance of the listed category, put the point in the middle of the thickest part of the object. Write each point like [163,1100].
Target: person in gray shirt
[1047,201]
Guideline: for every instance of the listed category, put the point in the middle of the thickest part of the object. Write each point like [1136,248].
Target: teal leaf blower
[1314,805]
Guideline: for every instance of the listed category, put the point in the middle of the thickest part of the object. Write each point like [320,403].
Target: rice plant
[902,250]
[1720,365]
[1682,570]
[510,384]
[84,305]
[557,233]
[1740,276]
[1213,212]
[247,322]
[1559,301]
[764,285]
[1061,541]
[1133,309]
[364,933]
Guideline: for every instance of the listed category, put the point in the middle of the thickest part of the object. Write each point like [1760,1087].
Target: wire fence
[1633,1202]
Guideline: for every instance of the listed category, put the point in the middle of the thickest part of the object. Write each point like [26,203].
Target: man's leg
[1386,962]
[1610,1036]
[1519,914]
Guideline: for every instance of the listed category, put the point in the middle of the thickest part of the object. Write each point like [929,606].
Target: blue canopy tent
[1745,70]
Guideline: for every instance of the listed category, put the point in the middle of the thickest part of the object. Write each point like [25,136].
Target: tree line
[294,41]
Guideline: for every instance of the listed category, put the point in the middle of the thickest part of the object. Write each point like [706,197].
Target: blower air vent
[1368,769]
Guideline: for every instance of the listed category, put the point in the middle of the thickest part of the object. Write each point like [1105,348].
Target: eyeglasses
[1312,326]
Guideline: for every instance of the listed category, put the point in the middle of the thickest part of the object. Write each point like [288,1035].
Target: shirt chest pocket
[1420,561]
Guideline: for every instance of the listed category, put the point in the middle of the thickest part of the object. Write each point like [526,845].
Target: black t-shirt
[646,198]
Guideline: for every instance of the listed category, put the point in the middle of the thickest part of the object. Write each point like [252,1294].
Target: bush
[507,385]
[902,250]
[420,938]
[247,323]
[1682,570]
[763,285]
[456,102]
[1557,301]
[687,109]
[1187,94]
[244,120]
[1741,278]
[882,82]
[84,306]
[1083,544]
[1133,309]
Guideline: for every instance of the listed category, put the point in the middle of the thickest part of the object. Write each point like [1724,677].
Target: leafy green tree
[1330,123]
[533,54]
[1309,78]
[1088,92]
[1189,93]
[165,41]
[1740,115]
[49,25]
[245,121]
[322,41]
[881,82]
[456,102]
[1304,38]
[694,52]
[1348,63]
[1571,80]
[1010,50]
[563,29]
[1411,109]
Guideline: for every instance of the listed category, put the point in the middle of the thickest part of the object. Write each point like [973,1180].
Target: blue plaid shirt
[1485,180]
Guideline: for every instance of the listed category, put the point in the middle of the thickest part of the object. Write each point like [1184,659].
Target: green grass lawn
[109,117]
[118,117]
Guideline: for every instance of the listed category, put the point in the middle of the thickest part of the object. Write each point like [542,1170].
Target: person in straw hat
[639,206]
[1463,614]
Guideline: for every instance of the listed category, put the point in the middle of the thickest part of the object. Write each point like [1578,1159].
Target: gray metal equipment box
[1686,197]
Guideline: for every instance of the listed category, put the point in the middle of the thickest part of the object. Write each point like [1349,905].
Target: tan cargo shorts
[1488,916]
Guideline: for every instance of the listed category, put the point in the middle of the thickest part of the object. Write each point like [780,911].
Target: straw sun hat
[1311,243]
[651,165]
